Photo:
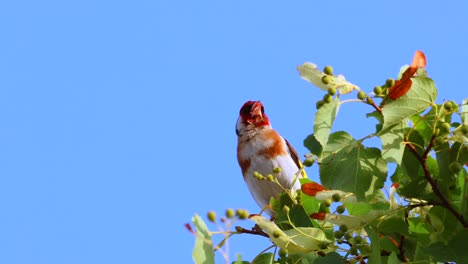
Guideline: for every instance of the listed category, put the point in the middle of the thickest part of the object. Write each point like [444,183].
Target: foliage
[348,218]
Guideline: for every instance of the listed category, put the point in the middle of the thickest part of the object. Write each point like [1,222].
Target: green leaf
[310,203]
[444,223]
[324,119]
[425,124]
[330,258]
[364,208]
[421,95]
[393,259]
[410,174]
[203,252]
[393,224]
[420,231]
[411,178]
[308,258]
[297,240]
[312,144]
[448,180]
[239,260]
[464,111]
[265,258]
[349,166]
[393,145]
[298,214]
[455,250]
[374,258]
[309,72]
[418,226]
[464,194]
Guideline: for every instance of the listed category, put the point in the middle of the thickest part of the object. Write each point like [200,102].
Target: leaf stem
[435,187]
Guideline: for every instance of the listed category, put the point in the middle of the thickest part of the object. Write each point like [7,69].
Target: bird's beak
[256,112]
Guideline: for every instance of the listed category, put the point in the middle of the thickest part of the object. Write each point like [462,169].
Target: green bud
[211,216]
[357,239]
[229,213]
[258,176]
[270,177]
[389,82]
[327,202]
[277,170]
[454,105]
[326,79]
[239,229]
[437,131]
[327,98]
[286,209]
[276,233]
[283,252]
[309,162]
[338,234]
[445,127]
[353,251]
[242,214]
[336,197]
[323,245]
[348,235]
[365,249]
[378,90]
[464,129]
[455,167]
[319,104]
[340,209]
[331,91]
[323,208]
[343,227]
[369,100]
[361,95]
[439,141]
[448,106]
[328,70]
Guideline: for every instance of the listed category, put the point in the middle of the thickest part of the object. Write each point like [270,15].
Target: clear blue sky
[117,117]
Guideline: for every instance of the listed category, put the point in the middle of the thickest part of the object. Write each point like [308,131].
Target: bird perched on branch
[260,151]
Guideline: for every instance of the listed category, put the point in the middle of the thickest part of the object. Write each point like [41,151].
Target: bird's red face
[253,113]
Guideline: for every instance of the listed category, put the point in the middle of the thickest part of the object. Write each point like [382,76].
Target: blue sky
[117,117]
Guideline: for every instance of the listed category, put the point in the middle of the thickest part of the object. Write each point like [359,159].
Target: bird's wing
[295,157]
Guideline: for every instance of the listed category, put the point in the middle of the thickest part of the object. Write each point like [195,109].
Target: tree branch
[435,187]
[402,256]
[256,230]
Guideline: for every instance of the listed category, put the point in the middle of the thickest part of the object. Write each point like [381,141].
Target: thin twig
[256,230]
[402,256]
[435,187]
[376,106]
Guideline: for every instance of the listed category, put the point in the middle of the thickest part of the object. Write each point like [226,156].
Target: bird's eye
[246,110]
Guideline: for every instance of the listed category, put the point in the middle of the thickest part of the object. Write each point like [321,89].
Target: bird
[261,149]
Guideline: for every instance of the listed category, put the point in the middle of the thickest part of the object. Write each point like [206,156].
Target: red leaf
[318,216]
[189,228]
[402,86]
[312,188]
[419,60]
